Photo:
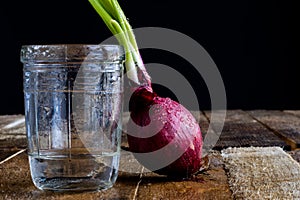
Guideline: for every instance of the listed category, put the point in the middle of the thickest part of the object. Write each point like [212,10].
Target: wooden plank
[294,112]
[15,174]
[12,131]
[16,184]
[12,124]
[287,125]
[11,141]
[241,130]
[209,185]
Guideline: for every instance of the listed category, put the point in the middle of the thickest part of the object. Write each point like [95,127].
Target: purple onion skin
[177,127]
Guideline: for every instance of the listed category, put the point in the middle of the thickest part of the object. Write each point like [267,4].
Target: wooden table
[241,129]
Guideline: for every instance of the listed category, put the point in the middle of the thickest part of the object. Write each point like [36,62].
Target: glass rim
[71,52]
[70,45]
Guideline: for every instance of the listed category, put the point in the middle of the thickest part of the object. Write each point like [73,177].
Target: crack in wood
[285,139]
[138,184]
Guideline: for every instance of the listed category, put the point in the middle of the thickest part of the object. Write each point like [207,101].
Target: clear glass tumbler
[73,104]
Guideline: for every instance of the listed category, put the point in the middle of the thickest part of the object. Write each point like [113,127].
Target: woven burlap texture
[262,173]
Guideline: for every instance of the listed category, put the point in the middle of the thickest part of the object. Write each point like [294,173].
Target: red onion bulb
[163,135]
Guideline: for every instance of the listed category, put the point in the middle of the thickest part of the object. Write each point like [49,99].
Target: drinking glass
[73,96]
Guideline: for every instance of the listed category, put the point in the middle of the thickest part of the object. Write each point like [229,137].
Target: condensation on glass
[73,103]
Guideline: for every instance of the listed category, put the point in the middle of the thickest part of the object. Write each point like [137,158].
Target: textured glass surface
[73,103]
[71,52]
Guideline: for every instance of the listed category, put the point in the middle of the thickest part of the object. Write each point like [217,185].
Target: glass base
[71,184]
[78,172]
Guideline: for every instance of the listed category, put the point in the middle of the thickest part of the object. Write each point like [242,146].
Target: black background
[254,43]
